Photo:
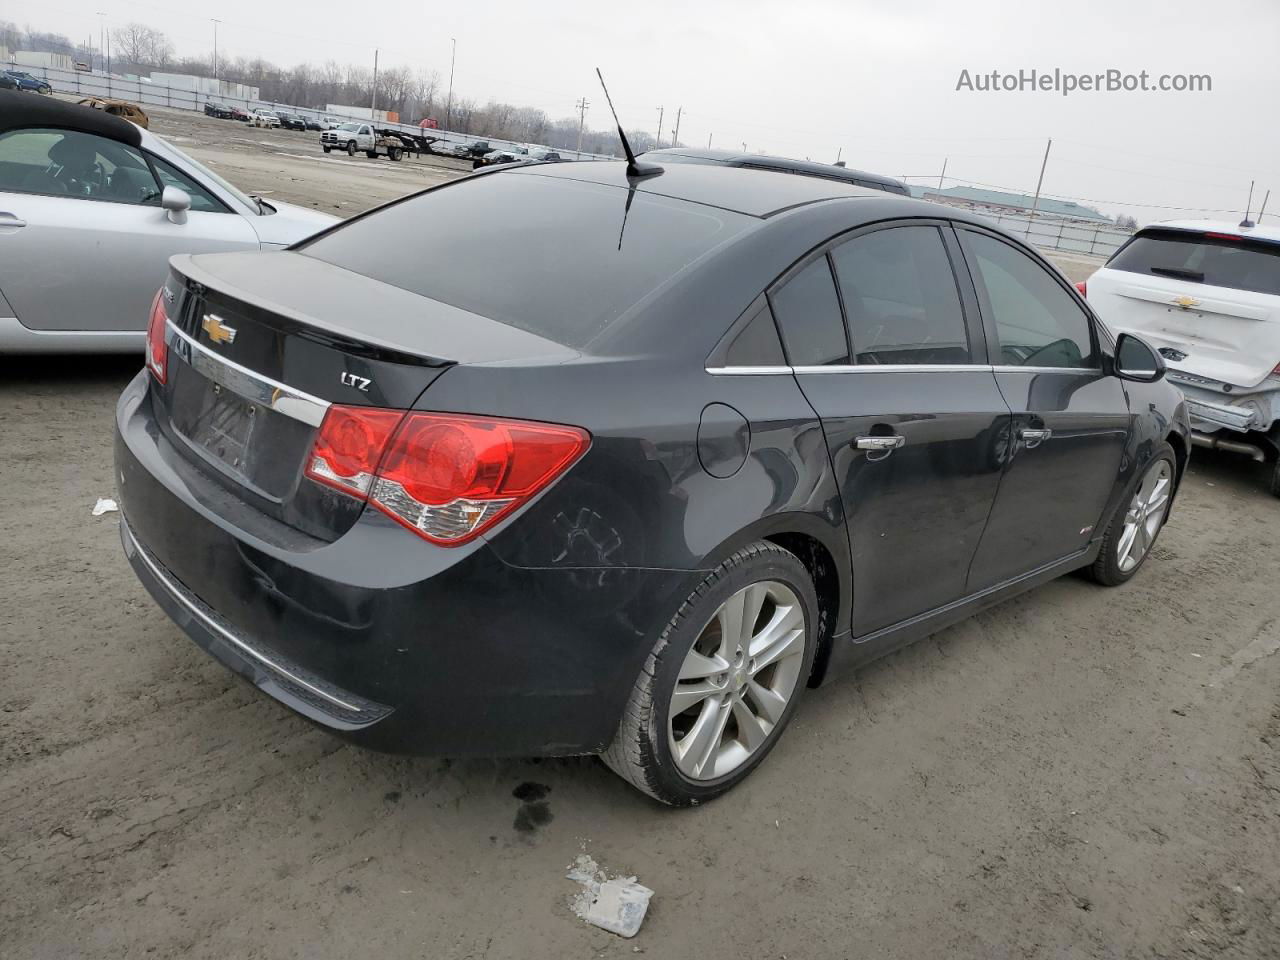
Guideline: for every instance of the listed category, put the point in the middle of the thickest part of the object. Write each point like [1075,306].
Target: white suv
[1206,295]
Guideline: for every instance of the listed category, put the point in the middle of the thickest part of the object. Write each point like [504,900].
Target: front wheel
[351,148]
[1137,521]
[1275,479]
[327,149]
[722,681]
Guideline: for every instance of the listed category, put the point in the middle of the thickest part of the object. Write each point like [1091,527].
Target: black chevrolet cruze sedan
[618,465]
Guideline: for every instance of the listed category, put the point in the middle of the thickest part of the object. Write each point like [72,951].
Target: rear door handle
[879,447]
[9,220]
[1032,438]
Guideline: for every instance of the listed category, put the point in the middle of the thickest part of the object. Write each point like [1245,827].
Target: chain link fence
[1068,236]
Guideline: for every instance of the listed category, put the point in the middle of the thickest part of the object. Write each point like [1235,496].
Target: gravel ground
[1078,772]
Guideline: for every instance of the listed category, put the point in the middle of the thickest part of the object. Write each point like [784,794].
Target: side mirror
[1135,360]
[176,202]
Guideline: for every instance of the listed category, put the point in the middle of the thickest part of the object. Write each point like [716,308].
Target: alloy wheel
[736,680]
[1145,515]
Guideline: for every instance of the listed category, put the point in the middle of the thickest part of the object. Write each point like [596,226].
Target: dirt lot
[1079,772]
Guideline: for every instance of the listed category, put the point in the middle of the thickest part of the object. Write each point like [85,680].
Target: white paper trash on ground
[616,905]
[104,505]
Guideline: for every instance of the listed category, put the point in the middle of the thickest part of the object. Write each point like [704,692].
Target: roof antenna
[1246,222]
[635,169]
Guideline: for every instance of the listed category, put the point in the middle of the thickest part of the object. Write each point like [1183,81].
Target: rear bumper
[1211,409]
[380,637]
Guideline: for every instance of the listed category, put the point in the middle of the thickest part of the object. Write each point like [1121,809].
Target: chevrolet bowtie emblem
[218,331]
[1186,303]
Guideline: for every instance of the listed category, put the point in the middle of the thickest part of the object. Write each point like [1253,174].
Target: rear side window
[1038,323]
[755,343]
[1221,261]
[900,297]
[559,258]
[808,313]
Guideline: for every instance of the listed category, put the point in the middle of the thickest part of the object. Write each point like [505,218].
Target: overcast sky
[876,81]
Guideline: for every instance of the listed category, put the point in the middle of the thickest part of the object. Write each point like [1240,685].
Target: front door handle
[879,447]
[9,220]
[1032,438]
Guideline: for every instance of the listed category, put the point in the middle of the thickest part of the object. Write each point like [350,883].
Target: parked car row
[267,118]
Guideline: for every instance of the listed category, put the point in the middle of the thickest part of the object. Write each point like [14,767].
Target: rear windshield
[1221,261]
[544,254]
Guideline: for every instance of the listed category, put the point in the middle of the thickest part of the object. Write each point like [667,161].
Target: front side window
[201,199]
[1037,321]
[808,313]
[73,164]
[900,298]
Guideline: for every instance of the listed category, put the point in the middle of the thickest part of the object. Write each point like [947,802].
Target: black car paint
[527,640]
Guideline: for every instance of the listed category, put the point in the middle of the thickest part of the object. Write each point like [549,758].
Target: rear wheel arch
[824,573]
[824,551]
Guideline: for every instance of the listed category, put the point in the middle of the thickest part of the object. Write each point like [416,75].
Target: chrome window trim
[179,595]
[247,383]
[749,371]
[1014,368]
[897,368]
[859,368]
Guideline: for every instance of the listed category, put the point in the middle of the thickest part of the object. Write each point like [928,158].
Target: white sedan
[91,209]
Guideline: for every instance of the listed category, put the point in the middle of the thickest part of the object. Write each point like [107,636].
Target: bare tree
[139,45]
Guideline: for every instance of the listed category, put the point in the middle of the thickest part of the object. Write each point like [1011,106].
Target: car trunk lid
[261,345]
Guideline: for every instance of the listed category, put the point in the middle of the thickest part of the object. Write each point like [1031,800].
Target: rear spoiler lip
[295,323]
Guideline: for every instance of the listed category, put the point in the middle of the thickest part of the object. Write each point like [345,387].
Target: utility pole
[102,41]
[215,47]
[943,174]
[839,154]
[657,143]
[675,137]
[373,101]
[448,110]
[581,106]
[708,141]
[1035,204]
[744,146]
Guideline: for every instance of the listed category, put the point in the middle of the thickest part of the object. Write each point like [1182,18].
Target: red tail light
[1083,287]
[446,477]
[157,348]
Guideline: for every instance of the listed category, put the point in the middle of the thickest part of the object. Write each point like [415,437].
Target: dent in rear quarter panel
[640,497]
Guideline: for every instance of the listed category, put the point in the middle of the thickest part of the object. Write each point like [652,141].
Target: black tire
[351,148]
[1275,479]
[641,751]
[371,154]
[394,153]
[327,149]
[1106,568]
